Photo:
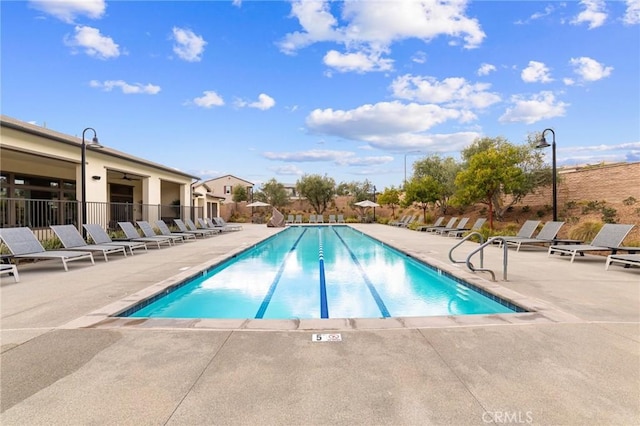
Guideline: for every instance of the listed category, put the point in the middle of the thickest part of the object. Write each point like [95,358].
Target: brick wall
[610,182]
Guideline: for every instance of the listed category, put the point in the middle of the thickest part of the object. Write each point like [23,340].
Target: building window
[228,189]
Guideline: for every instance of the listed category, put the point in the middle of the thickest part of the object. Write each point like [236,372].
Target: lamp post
[405,164]
[83,177]
[374,207]
[542,143]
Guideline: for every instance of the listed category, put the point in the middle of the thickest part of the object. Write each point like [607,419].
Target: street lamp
[542,143]
[83,166]
[374,207]
[405,164]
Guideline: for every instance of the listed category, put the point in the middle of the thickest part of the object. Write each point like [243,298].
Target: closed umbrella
[258,204]
[366,203]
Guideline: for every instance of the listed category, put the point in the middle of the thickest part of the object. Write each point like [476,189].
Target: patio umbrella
[258,204]
[366,203]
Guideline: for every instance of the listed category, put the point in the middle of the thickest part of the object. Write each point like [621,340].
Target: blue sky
[270,89]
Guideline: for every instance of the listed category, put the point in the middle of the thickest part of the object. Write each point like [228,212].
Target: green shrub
[609,215]
[629,201]
[52,244]
[585,231]
[526,209]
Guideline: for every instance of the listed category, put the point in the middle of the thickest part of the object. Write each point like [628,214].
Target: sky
[353,90]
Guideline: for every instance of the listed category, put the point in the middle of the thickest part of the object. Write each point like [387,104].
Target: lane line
[276,280]
[324,308]
[383,309]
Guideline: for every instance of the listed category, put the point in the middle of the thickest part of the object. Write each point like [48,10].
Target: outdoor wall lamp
[542,143]
[83,166]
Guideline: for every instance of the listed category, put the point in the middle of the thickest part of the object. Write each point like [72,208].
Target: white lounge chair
[132,235]
[164,230]
[100,236]
[10,269]
[71,239]
[148,231]
[197,232]
[625,259]
[475,227]
[226,226]
[23,244]
[608,239]
[547,235]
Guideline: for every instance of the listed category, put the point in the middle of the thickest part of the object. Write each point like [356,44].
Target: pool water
[321,272]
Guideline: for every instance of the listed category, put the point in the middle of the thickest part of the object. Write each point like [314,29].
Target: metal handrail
[462,241]
[505,250]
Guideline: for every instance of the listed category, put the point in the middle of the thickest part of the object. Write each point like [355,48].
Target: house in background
[40,181]
[205,199]
[223,187]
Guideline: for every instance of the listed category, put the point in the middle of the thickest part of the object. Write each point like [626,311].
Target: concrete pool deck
[575,360]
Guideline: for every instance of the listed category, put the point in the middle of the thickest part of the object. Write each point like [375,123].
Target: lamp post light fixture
[405,164]
[374,207]
[542,143]
[83,167]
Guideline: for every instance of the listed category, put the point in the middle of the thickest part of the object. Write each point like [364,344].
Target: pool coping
[538,311]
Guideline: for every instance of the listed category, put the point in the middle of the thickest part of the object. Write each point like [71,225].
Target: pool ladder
[483,244]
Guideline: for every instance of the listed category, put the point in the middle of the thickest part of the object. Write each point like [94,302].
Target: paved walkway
[575,360]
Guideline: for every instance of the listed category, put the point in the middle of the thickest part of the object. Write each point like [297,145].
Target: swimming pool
[320,272]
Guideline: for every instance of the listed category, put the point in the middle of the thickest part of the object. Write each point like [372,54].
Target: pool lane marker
[324,309]
[383,309]
[276,280]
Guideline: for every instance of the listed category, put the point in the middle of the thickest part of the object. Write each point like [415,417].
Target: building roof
[44,132]
[227,176]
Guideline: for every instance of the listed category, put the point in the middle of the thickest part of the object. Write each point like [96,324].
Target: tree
[390,197]
[422,191]
[318,190]
[239,194]
[274,193]
[359,191]
[443,171]
[491,173]
[530,161]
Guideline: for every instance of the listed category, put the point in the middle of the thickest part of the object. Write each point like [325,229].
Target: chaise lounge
[23,244]
[71,239]
[100,236]
[608,239]
[625,259]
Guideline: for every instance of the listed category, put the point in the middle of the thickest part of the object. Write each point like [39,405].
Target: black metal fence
[38,215]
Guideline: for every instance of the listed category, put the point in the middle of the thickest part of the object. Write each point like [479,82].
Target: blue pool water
[320,272]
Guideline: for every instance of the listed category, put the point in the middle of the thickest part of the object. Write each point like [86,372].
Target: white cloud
[68,10]
[287,170]
[594,13]
[590,69]
[188,45]
[419,58]
[632,14]
[209,99]
[127,88]
[236,3]
[384,118]
[93,43]
[263,103]
[370,28]
[486,69]
[340,158]
[453,91]
[539,107]
[536,72]
[358,62]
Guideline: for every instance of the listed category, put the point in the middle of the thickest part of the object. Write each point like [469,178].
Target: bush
[585,231]
[52,244]
[629,201]
[609,215]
